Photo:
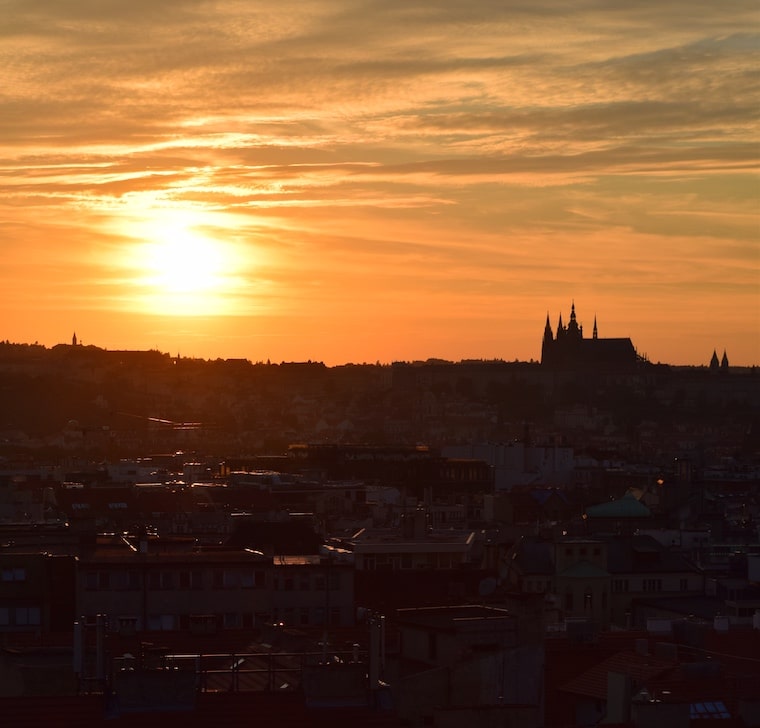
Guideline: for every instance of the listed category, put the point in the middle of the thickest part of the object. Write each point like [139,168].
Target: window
[334,615]
[619,586]
[252,579]
[683,585]
[445,561]
[161,622]
[127,626]
[569,601]
[230,579]
[304,583]
[334,580]
[588,600]
[161,580]
[14,574]
[231,620]
[27,616]
[125,580]
[651,585]
[190,580]
[97,580]
[5,616]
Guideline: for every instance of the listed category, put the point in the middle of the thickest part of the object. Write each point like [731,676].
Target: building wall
[164,596]
[36,592]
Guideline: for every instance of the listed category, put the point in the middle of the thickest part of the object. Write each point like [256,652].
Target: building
[36,592]
[151,588]
[468,665]
[598,579]
[570,350]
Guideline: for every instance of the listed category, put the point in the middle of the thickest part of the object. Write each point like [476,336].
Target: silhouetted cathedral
[569,350]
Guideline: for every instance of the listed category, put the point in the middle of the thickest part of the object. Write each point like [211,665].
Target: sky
[361,181]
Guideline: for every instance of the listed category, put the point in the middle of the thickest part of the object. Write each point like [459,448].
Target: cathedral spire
[595,334]
[548,329]
[572,328]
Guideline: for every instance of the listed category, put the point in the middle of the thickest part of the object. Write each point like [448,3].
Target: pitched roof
[640,668]
[625,507]
[584,570]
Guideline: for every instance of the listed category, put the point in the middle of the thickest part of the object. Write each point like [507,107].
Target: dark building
[570,350]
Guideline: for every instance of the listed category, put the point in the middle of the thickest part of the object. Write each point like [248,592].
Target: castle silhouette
[570,350]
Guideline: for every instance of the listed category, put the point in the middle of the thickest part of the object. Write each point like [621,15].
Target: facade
[207,591]
[569,350]
[415,546]
[36,592]
[469,665]
[599,579]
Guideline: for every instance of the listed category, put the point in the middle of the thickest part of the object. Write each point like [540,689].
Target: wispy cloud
[446,168]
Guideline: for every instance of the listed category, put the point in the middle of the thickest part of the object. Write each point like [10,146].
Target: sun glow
[181,270]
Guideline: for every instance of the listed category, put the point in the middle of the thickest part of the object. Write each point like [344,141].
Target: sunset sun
[183,262]
[183,271]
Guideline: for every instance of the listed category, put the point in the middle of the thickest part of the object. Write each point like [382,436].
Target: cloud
[422,161]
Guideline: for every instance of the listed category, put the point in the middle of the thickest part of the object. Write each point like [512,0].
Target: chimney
[618,698]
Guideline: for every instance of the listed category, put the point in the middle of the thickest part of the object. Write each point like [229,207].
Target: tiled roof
[640,668]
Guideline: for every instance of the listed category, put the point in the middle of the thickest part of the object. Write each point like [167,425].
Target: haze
[361,181]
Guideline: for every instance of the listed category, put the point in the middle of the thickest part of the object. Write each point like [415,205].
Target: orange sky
[391,180]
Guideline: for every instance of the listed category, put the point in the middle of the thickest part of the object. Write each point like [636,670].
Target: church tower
[546,346]
[573,330]
[74,339]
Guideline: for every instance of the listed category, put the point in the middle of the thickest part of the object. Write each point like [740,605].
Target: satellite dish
[487,587]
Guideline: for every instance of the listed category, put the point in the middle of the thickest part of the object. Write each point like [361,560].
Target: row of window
[20,616]
[288,616]
[617,586]
[407,561]
[13,574]
[194,580]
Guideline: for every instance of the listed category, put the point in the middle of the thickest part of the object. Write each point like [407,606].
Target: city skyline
[380,181]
